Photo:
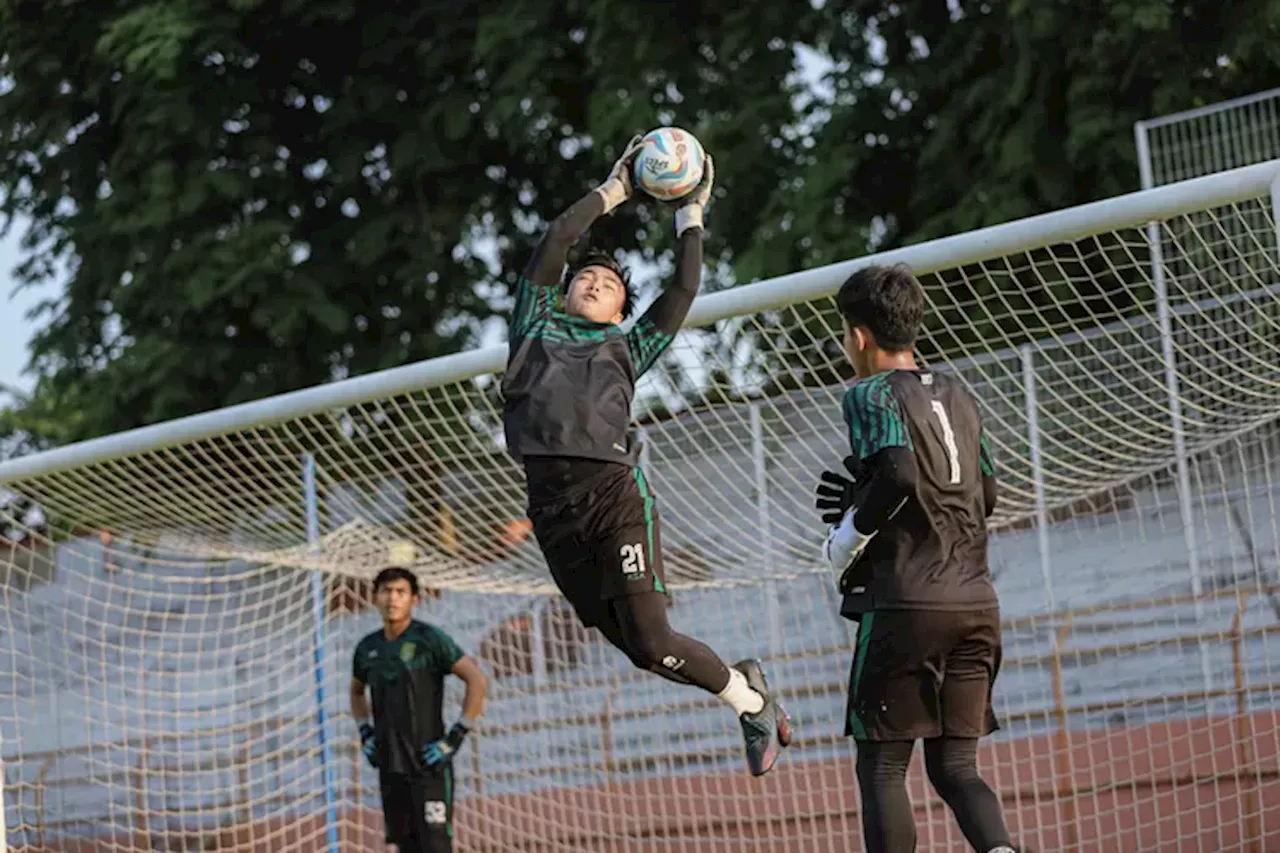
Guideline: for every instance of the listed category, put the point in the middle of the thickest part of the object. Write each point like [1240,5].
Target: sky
[15,329]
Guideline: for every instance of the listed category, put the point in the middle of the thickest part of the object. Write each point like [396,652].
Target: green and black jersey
[570,382]
[406,681]
[931,555]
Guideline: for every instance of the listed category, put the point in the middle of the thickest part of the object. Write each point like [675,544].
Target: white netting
[159,626]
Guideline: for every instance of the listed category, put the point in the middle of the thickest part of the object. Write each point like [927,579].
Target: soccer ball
[669,164]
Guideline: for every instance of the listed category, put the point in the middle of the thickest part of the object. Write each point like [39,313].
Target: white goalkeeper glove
[617,188]
[842,548]
[690,213]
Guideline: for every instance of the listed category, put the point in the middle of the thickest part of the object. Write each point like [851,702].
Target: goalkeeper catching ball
[570,379]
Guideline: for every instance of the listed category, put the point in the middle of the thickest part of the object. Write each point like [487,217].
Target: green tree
[257,196]
[950,115]
[942,116]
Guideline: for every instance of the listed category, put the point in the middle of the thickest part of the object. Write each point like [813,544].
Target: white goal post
[182,600]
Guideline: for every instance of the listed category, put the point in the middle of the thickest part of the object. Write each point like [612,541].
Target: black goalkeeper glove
[836,492]
[440,752]
[369,745]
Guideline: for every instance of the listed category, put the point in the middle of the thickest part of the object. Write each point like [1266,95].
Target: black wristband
[456,734]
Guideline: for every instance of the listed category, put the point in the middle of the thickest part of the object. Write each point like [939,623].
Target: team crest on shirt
[406,652]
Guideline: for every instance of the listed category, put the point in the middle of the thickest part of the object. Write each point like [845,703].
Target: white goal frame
[1126,211]
[1130,211]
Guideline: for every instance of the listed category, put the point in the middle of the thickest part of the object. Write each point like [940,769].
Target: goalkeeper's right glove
[368,744]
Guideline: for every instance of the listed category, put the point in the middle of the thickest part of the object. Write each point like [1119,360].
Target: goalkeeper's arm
[360,709]
[440,752]
[477,688]
[362,713]
[547,264]
[891,480]
[655,331]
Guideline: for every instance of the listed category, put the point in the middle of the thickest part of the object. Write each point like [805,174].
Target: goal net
[182,602]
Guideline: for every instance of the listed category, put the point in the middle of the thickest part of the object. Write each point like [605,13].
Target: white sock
[739,696]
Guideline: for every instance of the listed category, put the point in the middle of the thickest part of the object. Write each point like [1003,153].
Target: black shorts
[924,674]
[601,541]
[418,811]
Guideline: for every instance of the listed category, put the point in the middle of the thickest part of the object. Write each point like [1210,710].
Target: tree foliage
[258,195]
[942,116]
[950,115]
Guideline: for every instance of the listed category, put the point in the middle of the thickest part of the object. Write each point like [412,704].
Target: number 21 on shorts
[632,559]
[948,438]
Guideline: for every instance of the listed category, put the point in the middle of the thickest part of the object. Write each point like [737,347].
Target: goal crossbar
[995,241]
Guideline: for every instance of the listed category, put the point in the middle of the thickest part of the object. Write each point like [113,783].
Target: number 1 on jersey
[948,438]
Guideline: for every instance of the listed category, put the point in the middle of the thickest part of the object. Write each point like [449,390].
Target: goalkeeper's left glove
[618,187]
[440,752]
[837,493]
[842,549]
[693,207]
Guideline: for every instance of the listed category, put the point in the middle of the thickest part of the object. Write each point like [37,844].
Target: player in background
[908,547]
[570,379]
[403,665]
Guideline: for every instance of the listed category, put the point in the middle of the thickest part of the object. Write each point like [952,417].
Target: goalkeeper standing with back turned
[908,548]
[570,380]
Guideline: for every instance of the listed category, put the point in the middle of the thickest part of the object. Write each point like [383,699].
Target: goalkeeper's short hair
[396,573]
[599,258]
[888,300]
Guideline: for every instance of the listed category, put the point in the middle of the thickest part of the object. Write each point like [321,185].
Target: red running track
[1189,786]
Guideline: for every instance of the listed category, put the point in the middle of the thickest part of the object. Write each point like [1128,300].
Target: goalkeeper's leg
[640,629]
[952,765]
[888,821]
[605,555]
[972,664]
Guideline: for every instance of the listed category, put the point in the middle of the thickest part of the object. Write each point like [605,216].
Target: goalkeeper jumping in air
[571,375]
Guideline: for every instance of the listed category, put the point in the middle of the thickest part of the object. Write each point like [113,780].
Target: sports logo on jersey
[406,652]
